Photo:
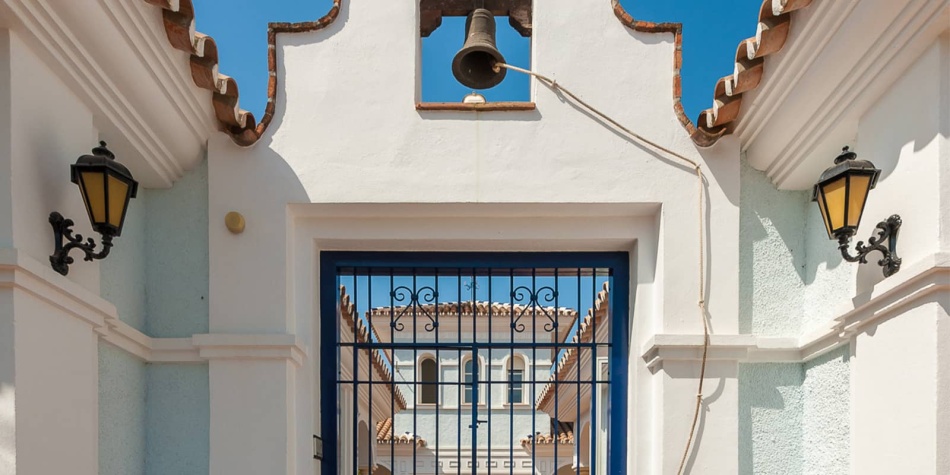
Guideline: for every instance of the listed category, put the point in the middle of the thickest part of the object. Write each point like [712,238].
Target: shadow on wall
[685,370]
[770,418]
[772,258]
[894,133]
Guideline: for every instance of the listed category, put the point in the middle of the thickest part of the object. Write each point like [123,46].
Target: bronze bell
[473,64]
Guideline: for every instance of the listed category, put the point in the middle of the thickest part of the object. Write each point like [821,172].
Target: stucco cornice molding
[782,140]
[927,278]
[21,272]
[213,346]
[103,95]
[204,347]
[172,79]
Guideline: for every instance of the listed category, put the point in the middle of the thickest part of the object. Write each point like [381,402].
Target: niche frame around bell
[520,14]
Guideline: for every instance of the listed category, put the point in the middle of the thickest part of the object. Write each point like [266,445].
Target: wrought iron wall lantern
[106,186]
[841,193]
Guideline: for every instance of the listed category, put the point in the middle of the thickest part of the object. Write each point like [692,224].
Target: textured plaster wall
[122,397]
[827,417]
[831,279]
[772,267]
[795,418]
[771,406]
[123,276]
[177,419]
[157,277]
[177,257]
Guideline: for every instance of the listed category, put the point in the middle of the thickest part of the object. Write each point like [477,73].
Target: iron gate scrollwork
[473,363]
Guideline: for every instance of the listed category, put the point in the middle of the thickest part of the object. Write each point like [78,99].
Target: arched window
[429,381]
[515,380]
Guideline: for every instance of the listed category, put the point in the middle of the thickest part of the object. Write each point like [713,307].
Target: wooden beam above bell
[519,13]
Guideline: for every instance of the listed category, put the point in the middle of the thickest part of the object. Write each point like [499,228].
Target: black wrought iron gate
[437,363]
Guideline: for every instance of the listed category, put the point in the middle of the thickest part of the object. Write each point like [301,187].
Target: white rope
[553,84]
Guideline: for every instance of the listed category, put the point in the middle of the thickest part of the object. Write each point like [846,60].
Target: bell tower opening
[460,42]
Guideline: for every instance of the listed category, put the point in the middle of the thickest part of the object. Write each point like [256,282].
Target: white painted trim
[915,282]
[788,72]
[21,272]
[153,51]
[257,347]
[52,33]
[906,30]
[786,149]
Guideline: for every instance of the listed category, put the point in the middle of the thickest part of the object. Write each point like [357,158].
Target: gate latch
[478,422]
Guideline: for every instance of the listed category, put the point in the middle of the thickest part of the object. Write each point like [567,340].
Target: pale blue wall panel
[121,412]
[178,419]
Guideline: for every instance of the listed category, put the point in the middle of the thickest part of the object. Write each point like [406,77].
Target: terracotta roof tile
[384,435]
[564,438]
[720,119]
[595,317]
[481,309]
[363,334]
[179,21]
[712,124]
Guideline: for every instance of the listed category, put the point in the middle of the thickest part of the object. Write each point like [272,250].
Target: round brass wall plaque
[235,222]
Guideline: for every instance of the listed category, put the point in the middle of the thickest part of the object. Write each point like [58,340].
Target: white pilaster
[252,416]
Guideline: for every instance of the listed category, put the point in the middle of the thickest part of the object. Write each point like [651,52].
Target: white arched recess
[634,228]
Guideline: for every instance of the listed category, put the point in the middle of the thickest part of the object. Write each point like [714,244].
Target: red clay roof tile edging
[179,21]
[771,34]
[720,119]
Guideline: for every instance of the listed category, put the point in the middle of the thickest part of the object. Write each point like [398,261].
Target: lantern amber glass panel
[93,195]
[842,192]
[106,187]
[106,197]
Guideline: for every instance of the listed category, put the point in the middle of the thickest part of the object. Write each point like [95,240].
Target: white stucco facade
[193,350]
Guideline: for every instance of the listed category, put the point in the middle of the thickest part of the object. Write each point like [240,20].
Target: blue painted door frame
[618,262]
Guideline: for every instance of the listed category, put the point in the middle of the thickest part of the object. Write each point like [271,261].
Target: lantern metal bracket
[62,230]
[886,230]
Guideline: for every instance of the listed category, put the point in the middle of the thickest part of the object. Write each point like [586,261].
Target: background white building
[195,349]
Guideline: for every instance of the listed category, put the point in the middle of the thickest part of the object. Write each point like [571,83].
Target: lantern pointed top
[846,154]
[103,151]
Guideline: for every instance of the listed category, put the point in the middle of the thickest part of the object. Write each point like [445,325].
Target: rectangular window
[516,386]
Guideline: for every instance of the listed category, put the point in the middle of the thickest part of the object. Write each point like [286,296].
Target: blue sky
[711,32]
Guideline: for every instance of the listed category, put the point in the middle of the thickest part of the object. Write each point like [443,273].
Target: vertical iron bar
[534,362]
[414,301]
[475,379]
[476,365]
[392,396]
[438,374]
[356,368]
[489,397]
[461,373]
[371,427]
[593,375]
[577,363]
[511,408]
[556,427]
[474,425]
